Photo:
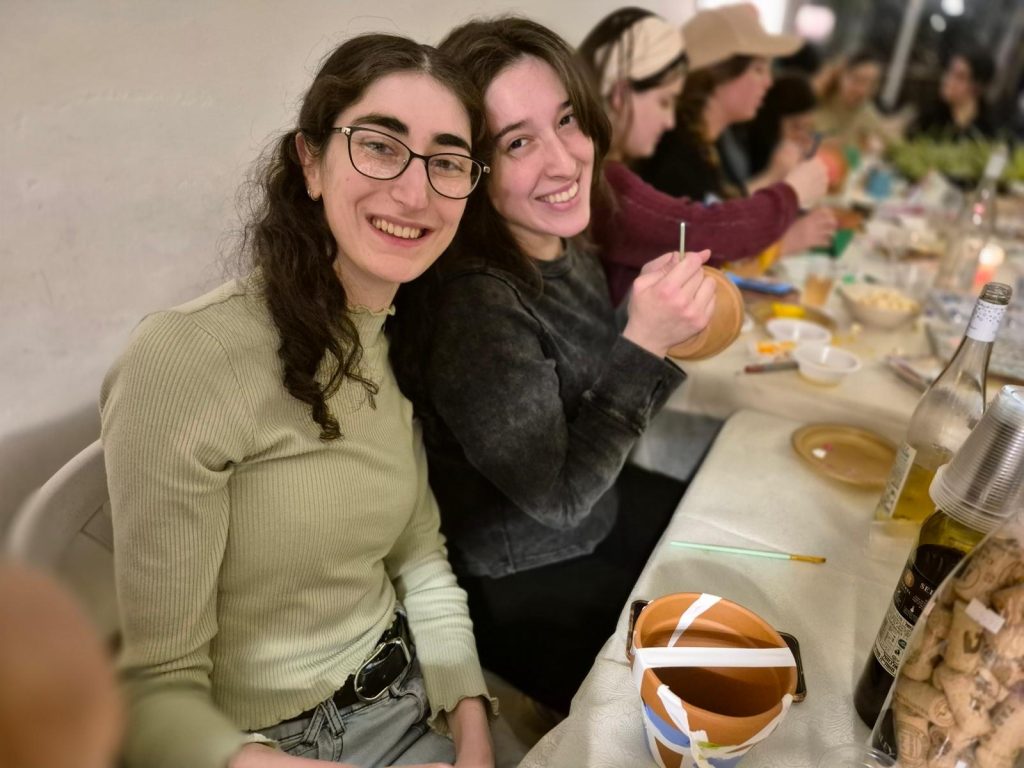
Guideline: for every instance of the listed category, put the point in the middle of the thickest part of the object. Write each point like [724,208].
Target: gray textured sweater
[534,402]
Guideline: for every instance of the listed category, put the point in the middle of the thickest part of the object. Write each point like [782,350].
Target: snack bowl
[799,331]
[878,306]
[825,364]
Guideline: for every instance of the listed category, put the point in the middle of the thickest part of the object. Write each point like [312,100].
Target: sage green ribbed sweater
[256,564]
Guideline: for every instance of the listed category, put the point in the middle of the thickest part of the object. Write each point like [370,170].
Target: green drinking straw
[745,551]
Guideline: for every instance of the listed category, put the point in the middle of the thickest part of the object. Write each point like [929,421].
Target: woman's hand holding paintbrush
[672,300]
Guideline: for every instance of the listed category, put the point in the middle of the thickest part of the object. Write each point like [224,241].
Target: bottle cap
[978,487]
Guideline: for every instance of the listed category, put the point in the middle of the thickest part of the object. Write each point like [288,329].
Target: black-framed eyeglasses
[379,155]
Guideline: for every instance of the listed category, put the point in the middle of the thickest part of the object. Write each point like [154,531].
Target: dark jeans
[541,629]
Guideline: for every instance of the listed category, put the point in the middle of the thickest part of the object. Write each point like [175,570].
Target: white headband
[642,50]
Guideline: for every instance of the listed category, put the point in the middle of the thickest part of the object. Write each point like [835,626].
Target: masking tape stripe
[697,607]
[658,658]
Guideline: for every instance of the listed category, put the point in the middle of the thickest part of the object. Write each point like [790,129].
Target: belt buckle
[378,652]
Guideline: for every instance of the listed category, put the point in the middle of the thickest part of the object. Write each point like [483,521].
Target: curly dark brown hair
[287,239]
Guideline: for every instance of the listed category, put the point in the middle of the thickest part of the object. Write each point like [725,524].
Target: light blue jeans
[392,731]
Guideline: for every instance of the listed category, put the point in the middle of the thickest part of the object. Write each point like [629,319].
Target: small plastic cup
[818,280]
[855,756]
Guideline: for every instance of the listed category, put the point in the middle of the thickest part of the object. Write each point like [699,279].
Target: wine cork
[971,715]
[987,756]
[925,700]
[1009,641]
[946,745]
[1010,603]
[992,565]
[920,662]
[912,740]
[963,646]
[1009,672]
[939,620]
[1008,724]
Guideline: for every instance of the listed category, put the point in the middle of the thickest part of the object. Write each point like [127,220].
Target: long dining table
[754,491]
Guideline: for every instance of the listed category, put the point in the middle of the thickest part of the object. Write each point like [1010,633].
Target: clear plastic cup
[977,484]
[855,756]
[818,280]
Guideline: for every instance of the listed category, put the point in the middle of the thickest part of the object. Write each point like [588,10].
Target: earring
[312,197]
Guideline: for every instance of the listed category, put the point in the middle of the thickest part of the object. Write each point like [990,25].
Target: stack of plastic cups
[979,486]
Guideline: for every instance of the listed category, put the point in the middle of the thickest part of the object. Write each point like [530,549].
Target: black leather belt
[386,665]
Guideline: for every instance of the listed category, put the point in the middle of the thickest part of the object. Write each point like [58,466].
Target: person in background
[730,72]
[531,388]
[59,702]
[281,577]
[782,133]
[806,61]
[846,110]
[961,112]
[636,62]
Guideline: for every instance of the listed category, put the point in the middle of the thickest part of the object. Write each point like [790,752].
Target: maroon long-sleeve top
[645,224]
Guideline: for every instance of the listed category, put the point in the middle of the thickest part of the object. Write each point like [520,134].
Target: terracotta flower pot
[724,327]
[724,711]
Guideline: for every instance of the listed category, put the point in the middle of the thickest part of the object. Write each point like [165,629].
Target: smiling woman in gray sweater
[531,389]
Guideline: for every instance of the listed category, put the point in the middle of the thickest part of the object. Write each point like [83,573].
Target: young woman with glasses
[283,586]
[637,63]
[531,389]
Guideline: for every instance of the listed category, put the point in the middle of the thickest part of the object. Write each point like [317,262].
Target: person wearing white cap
[637,61]
[730,72]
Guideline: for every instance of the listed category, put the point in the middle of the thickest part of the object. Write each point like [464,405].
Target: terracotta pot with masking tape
[724,326]
[714,679]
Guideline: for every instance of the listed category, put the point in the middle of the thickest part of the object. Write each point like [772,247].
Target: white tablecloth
[753,490]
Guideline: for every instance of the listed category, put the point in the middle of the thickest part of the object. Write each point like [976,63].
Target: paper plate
[763,311]
[846,453]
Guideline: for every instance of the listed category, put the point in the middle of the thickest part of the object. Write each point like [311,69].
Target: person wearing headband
[637,62]
[730,71]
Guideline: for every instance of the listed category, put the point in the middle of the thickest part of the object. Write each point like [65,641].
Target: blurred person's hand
[809,179]
[787,156]
[812,230]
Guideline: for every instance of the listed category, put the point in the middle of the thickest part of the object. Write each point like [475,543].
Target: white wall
[125,129]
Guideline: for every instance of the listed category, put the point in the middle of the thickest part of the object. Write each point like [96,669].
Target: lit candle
[989,260]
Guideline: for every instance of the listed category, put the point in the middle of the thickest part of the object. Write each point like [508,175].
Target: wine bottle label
[985,321]
[912,594]
[897,479]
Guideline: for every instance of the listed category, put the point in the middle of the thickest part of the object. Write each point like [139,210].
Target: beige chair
[65,528]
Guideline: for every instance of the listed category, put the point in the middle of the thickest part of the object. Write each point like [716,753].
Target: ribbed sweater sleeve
[173,424]
[424,583]
[498,390]
[643,223]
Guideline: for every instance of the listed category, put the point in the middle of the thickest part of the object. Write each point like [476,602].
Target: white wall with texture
[126,127]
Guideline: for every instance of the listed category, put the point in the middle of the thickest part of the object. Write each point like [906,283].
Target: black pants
[541,629]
